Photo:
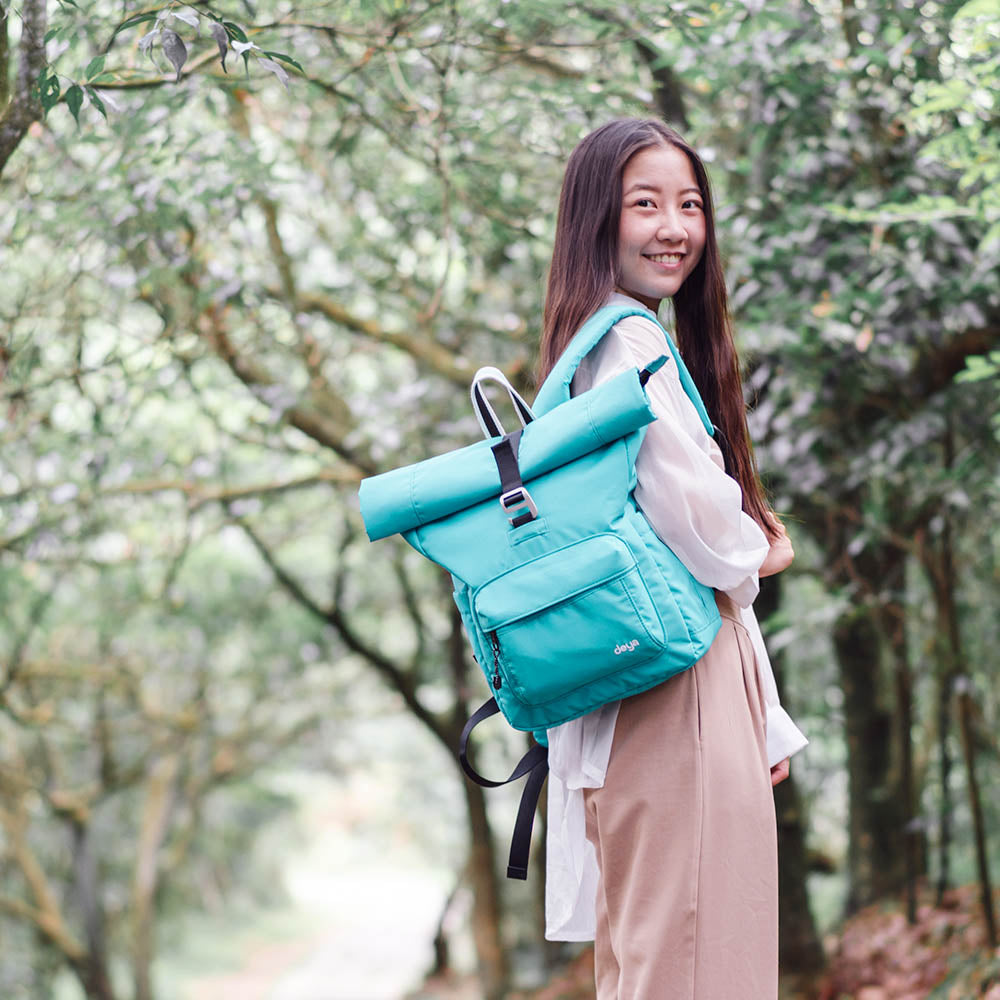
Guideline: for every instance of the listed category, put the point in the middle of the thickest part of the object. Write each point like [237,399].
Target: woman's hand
[781,553]
[779,772]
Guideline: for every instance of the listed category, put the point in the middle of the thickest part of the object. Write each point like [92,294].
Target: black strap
[520,841]
[482,406]
[505,455]
[512,491]
[492,427]
[535,763]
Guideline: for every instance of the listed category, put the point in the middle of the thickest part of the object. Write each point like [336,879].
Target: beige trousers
[684,828]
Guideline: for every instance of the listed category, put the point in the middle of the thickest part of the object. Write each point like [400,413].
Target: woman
[662,841]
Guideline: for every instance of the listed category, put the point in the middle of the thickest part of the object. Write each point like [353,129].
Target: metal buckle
[515,502]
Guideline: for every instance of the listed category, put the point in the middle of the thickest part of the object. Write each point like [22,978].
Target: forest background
[253,252]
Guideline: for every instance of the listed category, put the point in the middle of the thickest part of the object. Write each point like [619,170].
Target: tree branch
[667,87]
[166,79]
[45,915]
[38,608]
[324,428]
[198,494]
[397,679]
[423,348]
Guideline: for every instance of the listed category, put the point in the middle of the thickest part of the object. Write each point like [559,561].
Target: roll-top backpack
[568,597]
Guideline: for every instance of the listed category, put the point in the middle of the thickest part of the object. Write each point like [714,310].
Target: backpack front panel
[567,619]
[572,610]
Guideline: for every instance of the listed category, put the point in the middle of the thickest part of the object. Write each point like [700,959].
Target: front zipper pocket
[567,619]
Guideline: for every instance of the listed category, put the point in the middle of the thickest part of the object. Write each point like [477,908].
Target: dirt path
[360,922]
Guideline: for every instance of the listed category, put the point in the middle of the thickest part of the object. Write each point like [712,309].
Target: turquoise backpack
[568,597]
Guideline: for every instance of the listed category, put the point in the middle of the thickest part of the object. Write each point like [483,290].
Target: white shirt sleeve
[682,490]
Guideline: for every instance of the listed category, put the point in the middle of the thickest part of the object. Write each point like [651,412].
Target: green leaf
[980,367]
[74,101]
[975,8]
[235,31]
[49,91]
[94,68]
[97,102]
[130,22]
[284,59]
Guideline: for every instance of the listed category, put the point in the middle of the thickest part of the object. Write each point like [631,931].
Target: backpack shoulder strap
[555,388]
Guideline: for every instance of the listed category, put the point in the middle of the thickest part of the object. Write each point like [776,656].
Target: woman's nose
[671,228]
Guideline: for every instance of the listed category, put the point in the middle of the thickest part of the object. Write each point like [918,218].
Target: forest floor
[876,955]
[942,956]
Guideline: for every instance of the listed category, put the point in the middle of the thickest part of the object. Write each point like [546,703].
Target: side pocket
[464,605]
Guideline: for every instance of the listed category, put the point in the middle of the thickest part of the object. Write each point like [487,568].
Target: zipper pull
[497,680]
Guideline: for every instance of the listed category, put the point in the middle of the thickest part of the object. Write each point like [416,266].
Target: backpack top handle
[485,414]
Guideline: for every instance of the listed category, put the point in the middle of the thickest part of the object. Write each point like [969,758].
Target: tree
[21,103]
[301,268]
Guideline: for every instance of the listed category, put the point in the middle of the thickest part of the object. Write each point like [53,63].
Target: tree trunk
[876,866]
[92,968]
[93,976]
[894,627]
[152,831]
[486,909]
[800,950]
[442,950]
[911,829]
[944,688]
[487,906]
[23,107]
[976,808]
[940,567]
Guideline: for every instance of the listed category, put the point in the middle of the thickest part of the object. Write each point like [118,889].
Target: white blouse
[704,524]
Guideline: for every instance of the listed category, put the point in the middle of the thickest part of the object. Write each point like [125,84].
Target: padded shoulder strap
[555,388]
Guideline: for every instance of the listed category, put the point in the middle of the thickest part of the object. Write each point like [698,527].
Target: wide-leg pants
[684,829]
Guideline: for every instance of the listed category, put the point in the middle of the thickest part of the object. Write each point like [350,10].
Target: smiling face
[661,230]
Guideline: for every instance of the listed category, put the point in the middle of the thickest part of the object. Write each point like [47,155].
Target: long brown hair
[584,272]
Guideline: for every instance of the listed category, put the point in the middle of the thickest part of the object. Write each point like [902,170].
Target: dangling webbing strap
[535,764]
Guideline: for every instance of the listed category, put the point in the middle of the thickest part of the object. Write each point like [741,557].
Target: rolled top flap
[406,498]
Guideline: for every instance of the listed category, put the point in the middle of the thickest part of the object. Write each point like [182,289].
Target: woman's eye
[644,203]
[691,204]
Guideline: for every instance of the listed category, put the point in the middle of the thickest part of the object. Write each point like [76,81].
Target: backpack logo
[626,647]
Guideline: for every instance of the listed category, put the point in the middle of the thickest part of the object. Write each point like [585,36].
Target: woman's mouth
[664,258]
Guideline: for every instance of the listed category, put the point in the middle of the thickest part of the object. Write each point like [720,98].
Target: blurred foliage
[231,291]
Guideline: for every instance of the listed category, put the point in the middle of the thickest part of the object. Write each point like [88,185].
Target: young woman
[662,840]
